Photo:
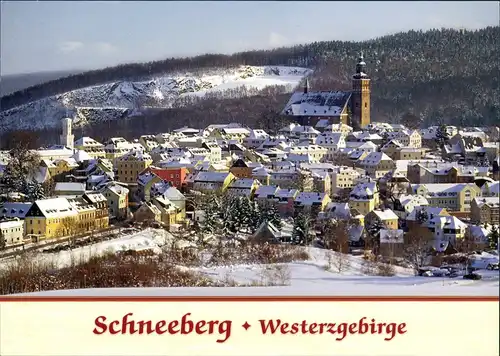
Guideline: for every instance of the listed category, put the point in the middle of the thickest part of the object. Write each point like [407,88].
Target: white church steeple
[67,138]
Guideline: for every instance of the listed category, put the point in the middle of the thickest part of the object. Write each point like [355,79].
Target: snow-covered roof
[117,189]
[338,210]
[442,188]
[286,193]
[60,152]
[374,158]
[330,139]
[217,177]
[308,198]
[135,155]
[258,134]
[415,200]
[448,222]
[69,187]
[186,129]
[362,191]
[431,211]
[81,156]
[266,190]
[15,210]
[87,141]
[56,208]
[323,103]
[95,197]
[338,127]
[243,183]
[386,214]
[493,188]
[489,201]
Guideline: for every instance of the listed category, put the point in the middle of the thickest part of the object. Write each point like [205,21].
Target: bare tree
[336,235]
[411,121]
[304,182]
[2,240]
[342,159]
[417,247]
[70,229]
[466,245]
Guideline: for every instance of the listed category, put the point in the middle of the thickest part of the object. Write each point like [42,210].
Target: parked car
[473,276]
[492,266]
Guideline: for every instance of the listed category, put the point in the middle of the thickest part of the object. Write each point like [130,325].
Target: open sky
[62,35]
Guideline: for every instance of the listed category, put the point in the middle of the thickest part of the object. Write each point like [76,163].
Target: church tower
[67,138]
[360,99]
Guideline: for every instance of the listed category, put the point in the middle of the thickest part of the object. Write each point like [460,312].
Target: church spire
[360,67]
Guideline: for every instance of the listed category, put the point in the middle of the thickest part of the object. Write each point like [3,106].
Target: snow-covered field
[110,101]
[318,276]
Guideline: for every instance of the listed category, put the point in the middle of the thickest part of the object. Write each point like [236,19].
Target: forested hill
[438,74]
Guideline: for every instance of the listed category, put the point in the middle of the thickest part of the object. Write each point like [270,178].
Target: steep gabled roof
[323,103]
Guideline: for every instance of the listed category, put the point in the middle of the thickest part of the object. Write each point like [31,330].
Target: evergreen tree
[21,167]
[33,190]
[493,237]
[255,216]
[442,135]
[268,212]
[301,226]
[211,221]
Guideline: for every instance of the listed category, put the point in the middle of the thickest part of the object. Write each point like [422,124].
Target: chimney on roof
[306,86]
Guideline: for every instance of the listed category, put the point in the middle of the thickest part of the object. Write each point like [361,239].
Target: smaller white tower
[67,138]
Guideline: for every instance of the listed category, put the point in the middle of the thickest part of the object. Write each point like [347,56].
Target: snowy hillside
[320,274]
[116,100]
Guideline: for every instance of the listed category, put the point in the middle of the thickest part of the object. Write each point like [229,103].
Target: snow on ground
[152,239]
[111,100]
[316,277]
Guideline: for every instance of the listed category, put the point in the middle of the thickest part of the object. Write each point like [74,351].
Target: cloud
[94,48]
[105,48]
[277,40]
[70,46]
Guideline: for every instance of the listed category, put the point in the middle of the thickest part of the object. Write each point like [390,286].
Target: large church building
[348,107]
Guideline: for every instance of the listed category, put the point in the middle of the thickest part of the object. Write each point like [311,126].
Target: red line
[176,299]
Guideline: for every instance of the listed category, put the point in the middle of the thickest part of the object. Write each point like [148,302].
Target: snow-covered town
[382,201]
[331,201]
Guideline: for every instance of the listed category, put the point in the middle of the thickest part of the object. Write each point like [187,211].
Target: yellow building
[92,147]
[117,147]
[485,210]
[341,128]
[57,168]
[241,169]
[230,133]
[377,164]
[131,164]
[207,182]
[311,202]
[168,211]
[321,182]
[117,200]
[85,221]
[101,209]
[452,197]
[343,178]
[387,217]
[364,198]
[408,153]
[50,218]
[243,187]
[315,152]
